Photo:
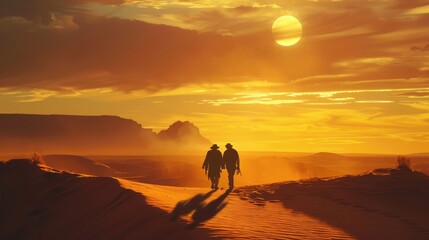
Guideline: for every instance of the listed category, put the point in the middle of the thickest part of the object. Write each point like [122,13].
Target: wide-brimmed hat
[228,145]
[215,146]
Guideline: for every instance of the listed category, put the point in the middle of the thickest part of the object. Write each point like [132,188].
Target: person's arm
[206,162]
[238,161]
[222,158]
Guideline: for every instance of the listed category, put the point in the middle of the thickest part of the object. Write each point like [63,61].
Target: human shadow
[208,211]
[187,206]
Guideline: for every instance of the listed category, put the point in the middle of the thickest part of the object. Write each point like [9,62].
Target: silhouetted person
[232,162]
[212,165]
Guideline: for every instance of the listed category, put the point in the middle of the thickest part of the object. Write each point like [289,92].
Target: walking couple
[214,162]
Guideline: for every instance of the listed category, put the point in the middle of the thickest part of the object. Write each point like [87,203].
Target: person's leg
[216,186]
[231,173]
[213,182]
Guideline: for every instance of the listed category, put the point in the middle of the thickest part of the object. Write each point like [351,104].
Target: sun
[287,30]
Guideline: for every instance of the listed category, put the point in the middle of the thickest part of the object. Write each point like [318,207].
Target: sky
[357,80]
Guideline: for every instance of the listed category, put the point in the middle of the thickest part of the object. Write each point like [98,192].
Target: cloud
[227,18]
[123,54]
[74,44]
[420,49]
[42,10]
[419,10]
[416,94]
[36,96]
[243,9]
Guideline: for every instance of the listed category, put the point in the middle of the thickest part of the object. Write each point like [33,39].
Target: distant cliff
[184,132]
[90,134]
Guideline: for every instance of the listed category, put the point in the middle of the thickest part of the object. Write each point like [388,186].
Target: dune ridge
[42,203]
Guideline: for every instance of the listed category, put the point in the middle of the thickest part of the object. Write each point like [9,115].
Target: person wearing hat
[212,165]
[232,162]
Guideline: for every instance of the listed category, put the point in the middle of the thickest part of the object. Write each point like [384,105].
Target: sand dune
[229,217]
[78,164]
[41,203]
[370,206]
[162,170]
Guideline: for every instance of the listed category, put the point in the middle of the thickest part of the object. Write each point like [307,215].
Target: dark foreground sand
[42,203]
[38,202]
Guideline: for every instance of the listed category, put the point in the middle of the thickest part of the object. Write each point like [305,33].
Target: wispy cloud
[35,95]
[416,94]
[419,10]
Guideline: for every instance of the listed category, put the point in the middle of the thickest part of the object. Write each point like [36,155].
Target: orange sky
[357,81]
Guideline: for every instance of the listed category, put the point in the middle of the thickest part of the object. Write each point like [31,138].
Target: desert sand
[39,202]
[43,203]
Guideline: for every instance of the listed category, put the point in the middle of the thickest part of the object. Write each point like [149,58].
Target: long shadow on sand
[206,212]
[185,207]
[202,212]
